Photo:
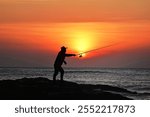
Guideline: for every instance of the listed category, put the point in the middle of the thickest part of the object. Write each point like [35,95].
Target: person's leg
[62,73]
[55,74]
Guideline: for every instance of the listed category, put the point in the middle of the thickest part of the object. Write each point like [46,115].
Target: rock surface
[44,89]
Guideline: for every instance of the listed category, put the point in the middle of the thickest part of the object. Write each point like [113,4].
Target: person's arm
[69,55]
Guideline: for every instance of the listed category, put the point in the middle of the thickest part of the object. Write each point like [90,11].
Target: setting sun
[79,37]
[82,41]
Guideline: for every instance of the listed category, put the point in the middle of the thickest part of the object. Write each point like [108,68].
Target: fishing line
[80,54]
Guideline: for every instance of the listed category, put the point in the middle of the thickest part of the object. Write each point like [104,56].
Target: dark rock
[45,89]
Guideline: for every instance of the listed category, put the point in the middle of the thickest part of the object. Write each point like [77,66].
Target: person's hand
[65,62]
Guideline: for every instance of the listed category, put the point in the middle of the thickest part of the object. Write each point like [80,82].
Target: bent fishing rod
[80,54]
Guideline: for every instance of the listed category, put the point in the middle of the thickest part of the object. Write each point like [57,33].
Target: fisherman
[60,59]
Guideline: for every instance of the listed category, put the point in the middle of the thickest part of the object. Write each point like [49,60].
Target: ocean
[136,80]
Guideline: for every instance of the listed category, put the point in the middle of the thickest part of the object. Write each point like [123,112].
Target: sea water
[136,80]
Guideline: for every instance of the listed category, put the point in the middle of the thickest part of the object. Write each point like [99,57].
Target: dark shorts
[58,69]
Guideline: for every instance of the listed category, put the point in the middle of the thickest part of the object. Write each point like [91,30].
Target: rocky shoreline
[44,89]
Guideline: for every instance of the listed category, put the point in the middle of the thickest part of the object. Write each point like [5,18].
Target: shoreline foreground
[43,89]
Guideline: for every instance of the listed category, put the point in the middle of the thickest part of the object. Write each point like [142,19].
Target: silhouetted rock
[44,89]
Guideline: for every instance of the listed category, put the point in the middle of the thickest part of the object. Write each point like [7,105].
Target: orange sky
[73,10]
[32,31]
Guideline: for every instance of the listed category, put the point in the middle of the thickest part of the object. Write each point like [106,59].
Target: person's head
[63,49]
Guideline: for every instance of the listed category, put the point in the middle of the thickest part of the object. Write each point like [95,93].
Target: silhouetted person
[60,59]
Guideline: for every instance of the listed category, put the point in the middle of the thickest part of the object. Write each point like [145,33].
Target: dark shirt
[61,58]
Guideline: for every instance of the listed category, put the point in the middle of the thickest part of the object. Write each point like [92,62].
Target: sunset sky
[32,32]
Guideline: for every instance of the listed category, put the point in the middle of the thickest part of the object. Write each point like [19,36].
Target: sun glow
[82,41]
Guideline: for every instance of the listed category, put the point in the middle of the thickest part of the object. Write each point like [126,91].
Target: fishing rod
[80,54]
